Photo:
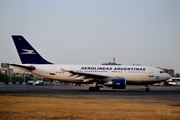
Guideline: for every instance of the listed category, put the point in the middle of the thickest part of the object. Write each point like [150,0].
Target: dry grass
[35,108]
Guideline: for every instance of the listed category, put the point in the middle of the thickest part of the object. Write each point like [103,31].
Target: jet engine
[116,83]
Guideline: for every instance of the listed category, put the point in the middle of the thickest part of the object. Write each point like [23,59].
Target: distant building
[7,71]
[169,71]
[17,72]
[111,63]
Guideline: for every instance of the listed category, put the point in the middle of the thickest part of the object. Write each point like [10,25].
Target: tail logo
[26,51]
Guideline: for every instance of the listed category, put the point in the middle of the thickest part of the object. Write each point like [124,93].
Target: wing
[86,76]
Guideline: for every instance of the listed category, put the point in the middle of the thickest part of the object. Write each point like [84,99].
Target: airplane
[115,76]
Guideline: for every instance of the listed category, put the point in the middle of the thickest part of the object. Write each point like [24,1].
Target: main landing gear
[94,88]
[147,88]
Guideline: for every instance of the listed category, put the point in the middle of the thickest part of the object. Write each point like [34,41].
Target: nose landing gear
[147,88]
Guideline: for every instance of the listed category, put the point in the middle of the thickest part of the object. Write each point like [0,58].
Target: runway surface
[158,94]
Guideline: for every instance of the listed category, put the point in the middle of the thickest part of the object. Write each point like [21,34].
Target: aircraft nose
[167,76]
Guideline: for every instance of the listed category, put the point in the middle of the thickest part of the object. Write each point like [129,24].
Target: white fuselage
[132,74]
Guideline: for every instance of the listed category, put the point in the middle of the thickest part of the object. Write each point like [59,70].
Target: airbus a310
[115,76]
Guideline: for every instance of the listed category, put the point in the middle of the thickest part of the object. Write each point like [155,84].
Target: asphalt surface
[158,94]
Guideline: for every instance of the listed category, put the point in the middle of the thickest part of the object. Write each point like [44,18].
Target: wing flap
[86,76]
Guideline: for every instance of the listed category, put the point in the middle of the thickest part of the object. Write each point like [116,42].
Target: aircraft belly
[57,76]
[135,79]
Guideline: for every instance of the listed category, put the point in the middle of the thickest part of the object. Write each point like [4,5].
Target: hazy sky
[94,31]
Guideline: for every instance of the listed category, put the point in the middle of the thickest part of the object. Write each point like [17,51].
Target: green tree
[4,78]
[177,75]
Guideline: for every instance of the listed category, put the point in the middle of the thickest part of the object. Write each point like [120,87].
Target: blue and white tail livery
[27,53]
[115,76]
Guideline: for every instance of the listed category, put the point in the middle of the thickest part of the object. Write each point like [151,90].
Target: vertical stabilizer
[27,53]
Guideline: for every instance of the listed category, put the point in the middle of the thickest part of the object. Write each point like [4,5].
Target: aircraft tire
[93,88]
[147,90]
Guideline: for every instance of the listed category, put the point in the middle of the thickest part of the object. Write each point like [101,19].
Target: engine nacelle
[116,83]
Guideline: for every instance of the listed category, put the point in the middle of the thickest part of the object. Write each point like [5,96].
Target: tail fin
[27,53]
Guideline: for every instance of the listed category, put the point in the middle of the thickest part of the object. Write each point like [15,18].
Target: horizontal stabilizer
[30,68]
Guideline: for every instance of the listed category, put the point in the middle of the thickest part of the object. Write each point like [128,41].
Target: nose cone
[166,76]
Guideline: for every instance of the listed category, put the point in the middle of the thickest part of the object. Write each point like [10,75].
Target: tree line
[14,78]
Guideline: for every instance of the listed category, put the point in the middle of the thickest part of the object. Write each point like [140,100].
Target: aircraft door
[150,72]
[149,75]
[52,70]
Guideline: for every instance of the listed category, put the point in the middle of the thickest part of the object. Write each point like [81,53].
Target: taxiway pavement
[158,94]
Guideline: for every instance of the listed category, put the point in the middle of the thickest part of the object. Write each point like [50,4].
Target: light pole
[24,78]
[10,76]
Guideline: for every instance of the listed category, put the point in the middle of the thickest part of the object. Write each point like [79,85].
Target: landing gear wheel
[96,88]
[147,90]
[93,88]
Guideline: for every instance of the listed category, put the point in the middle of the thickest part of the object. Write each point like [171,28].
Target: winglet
[27,53]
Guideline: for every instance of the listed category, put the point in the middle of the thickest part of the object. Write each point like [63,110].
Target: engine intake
[117,83]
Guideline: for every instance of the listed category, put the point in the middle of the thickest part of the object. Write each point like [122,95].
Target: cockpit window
[162,71]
